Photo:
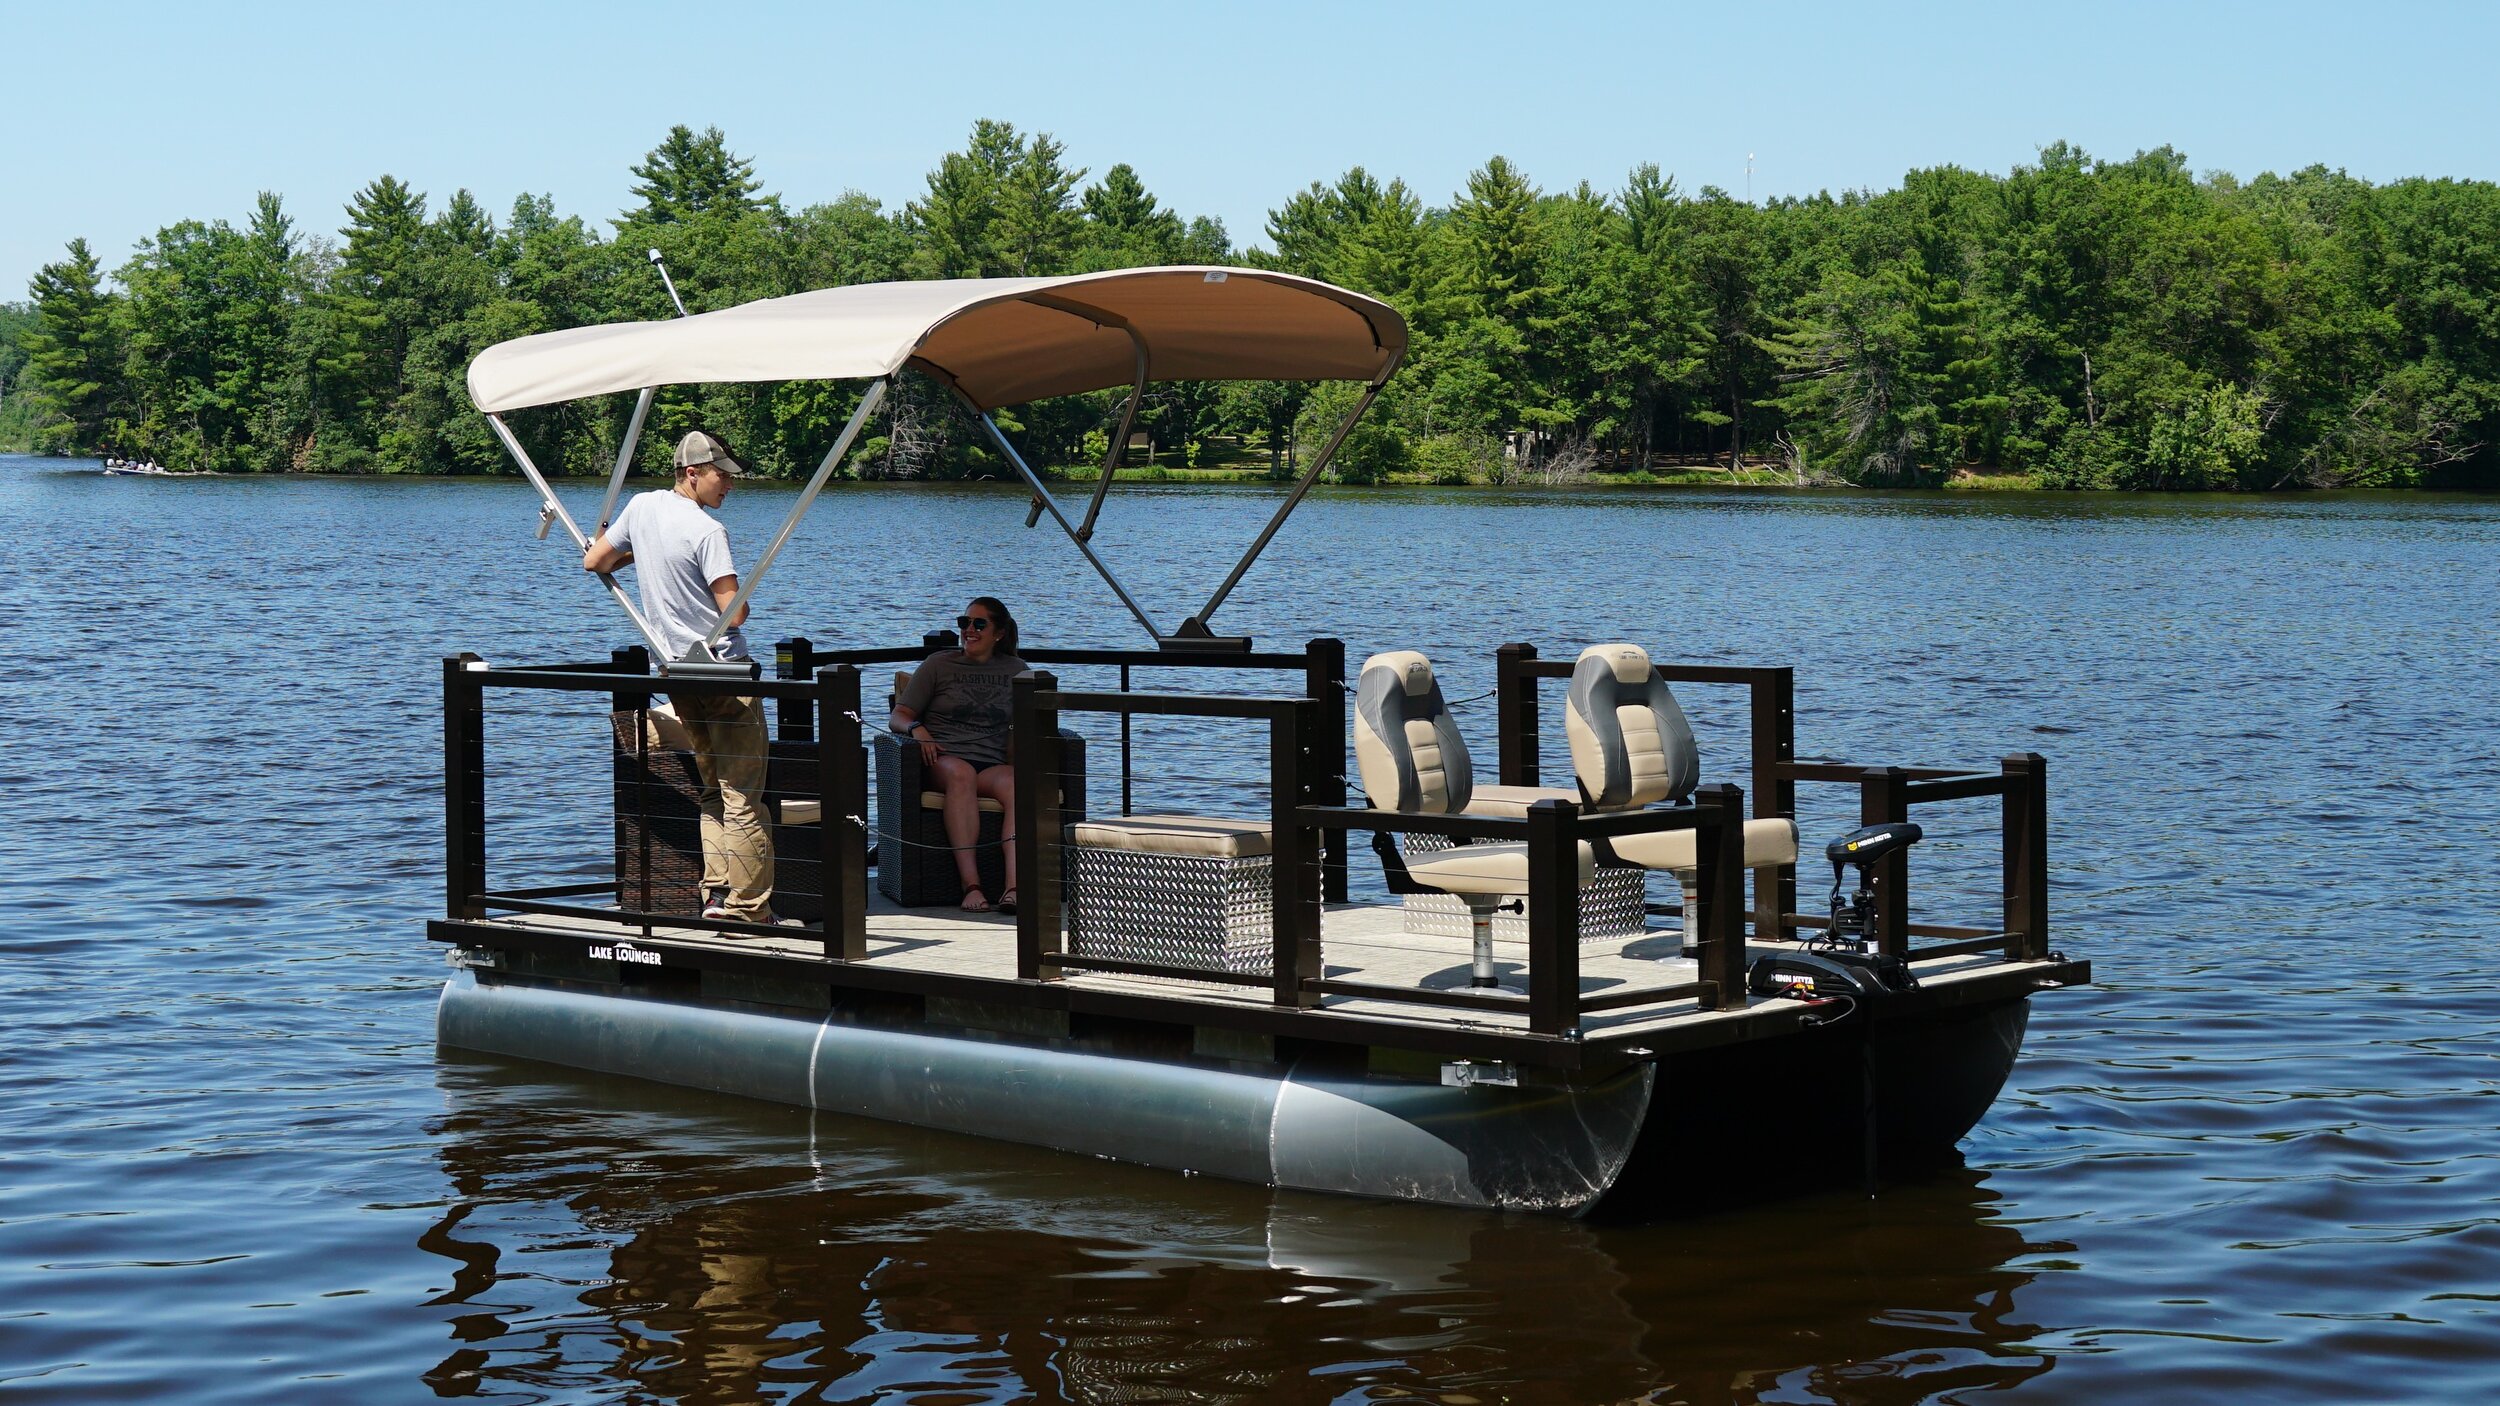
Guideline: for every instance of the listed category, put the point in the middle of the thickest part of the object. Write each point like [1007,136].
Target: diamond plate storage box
[1174,890]
[1610,904]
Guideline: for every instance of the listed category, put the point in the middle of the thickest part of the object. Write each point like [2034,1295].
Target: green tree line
[2085,323]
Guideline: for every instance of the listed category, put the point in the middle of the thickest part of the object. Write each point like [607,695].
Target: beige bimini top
[1000,341]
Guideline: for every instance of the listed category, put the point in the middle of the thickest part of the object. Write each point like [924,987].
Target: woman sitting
[959,706]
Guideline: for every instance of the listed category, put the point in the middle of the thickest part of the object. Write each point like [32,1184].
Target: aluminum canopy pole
[662,265]
[624,458]
[642,407]
[1042,495]
[1119,443]
[1285,510]
[555,508]
[868,402]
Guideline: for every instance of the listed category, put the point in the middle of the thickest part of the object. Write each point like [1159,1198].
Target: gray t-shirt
[967,707]
[679,551]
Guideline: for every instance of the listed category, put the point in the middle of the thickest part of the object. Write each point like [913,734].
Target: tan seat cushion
[936,800]
[802,812]
[1499,868]
[1513,801]
[1766,842]
[1177,834]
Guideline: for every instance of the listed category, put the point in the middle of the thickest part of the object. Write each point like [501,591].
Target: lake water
[2257,1161]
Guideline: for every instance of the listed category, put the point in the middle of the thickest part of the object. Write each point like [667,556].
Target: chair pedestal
[1480,919]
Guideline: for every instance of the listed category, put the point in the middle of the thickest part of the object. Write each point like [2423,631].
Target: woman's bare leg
[999,784]
[961,815]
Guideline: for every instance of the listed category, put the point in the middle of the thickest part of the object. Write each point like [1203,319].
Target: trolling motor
[1853,915]
[1839,963]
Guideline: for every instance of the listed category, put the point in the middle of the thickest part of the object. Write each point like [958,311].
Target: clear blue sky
[125,118]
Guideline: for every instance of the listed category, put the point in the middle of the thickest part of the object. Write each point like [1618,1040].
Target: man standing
[681,556]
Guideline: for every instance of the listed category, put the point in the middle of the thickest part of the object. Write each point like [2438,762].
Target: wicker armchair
[915,864]
[659,837]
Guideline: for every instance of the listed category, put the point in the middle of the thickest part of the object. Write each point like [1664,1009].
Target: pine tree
[464,226]
[690,174]
[261,375]
[1498,221]
[1125,228]
[957,219]
[374,298]
[73,349]
[1648,205]
[1038,224]
[1304,234]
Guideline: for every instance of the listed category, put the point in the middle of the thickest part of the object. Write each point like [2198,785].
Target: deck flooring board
[1360,943]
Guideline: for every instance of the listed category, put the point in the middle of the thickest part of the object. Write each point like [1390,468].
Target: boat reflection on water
[608,1234]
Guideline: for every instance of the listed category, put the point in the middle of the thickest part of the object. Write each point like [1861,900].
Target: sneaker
[716,903]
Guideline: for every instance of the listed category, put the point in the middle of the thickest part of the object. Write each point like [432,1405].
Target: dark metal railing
[1771,741]
[1303,771]
[1300,816]
[817,700]
[1554,831]
[832,696]
[1321,662]
[1885,794]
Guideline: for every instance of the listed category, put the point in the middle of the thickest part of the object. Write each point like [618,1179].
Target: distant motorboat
[137,466]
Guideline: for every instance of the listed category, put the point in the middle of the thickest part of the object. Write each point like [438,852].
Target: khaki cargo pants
[731,748]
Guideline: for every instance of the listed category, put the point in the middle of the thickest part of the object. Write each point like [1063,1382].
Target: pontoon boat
[1519,1026]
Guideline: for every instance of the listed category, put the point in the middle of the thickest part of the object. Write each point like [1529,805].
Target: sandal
[1007,901]
[975,901]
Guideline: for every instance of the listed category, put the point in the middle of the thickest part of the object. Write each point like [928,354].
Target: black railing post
[794,658]
[1554,918]
[1323,674]
[935,640]
[1720,884]
[1774,794]
[2027,855]
[1035,734]
[1883,798]
[842,804]
[1514,714]
[633,660]
[464,788]
[634,771]
[1295,865]
[1128,756]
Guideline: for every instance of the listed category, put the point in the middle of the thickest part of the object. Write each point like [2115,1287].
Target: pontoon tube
[1528,1148]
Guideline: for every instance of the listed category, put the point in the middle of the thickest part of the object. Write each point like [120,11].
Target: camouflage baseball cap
[701,447]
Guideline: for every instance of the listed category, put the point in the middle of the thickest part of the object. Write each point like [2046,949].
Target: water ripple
[2255,1162]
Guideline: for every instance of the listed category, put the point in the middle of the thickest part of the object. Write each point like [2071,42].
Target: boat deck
[944,952]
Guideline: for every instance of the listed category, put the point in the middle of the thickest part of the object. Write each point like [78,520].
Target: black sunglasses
[970,623]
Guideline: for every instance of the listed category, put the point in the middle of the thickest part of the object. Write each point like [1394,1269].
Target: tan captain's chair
[1413,762]
[1631,747]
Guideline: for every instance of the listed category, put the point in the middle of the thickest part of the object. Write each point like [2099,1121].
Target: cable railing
[658,802]
[1254,904]
[1887,794]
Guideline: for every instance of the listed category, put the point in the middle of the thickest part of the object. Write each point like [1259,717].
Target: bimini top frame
[993,342]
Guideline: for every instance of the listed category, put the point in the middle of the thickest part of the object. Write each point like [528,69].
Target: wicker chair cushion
[1177,834]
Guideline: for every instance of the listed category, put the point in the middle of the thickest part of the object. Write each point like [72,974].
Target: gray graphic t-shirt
[967,707]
